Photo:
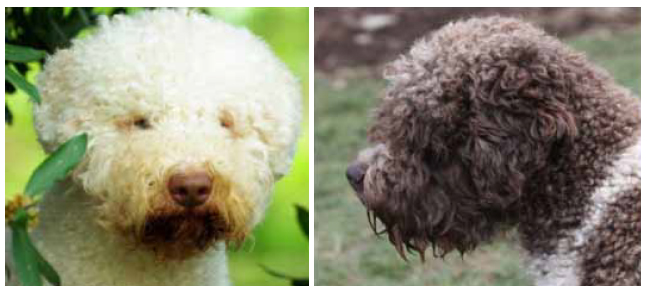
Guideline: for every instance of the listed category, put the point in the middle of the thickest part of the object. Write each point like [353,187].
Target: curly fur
[159,93]
[490,123]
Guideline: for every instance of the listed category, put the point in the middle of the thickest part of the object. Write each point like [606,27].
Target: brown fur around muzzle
[176,231]
[182,235]
[471,113]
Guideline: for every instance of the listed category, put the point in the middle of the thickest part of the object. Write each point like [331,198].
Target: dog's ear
[518,110]
[531,89]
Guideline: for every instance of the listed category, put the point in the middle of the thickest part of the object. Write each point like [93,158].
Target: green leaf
[46,269]
[30,264]
[8,116]
[300,282]
[57,166]
[304,219]
[24,255]
[22,54]
[19,82]
[293,280]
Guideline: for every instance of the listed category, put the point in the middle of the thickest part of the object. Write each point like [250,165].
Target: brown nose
[190,189]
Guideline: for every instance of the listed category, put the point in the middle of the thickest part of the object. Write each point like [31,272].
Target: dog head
[471,112]
[191,121]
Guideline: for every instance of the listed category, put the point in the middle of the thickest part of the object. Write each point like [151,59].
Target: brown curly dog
[489,124]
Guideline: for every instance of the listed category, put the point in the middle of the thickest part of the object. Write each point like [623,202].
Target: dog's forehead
[166,66]
[166,58]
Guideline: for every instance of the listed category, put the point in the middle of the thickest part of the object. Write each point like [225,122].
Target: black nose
[355,175]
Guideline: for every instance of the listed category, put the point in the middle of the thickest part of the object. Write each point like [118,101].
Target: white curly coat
[214,95]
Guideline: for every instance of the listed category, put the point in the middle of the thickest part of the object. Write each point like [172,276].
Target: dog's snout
[190,189]
[355,175]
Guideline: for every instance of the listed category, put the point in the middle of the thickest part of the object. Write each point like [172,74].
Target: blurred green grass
[277,242]
[346,250]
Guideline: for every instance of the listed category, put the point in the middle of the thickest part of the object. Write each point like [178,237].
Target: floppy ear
[499,157]
[529,87]
[518,111]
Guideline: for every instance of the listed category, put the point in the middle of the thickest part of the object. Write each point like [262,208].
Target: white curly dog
[190,123]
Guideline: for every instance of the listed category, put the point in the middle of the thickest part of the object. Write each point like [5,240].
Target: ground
[373,35]
[346,250]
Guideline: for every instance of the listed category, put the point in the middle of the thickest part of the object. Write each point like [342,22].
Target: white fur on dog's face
[166,91]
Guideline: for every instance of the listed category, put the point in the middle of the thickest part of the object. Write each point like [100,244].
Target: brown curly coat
[490,123]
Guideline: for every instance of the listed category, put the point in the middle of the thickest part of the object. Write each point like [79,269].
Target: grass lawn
[347,252]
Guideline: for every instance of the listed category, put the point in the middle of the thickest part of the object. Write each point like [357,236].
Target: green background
[277,243]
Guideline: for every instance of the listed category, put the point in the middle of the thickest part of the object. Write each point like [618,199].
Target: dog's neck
[84,253]
[563,200]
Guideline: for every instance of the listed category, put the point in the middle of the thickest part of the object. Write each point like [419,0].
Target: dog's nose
[355,175]
[190,189]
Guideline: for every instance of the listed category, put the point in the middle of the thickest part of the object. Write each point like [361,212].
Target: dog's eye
[141,123]
[226,120]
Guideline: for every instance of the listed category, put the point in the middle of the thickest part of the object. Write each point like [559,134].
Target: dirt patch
[349,37]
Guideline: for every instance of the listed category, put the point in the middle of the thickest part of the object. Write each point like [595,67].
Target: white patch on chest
[562,267]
